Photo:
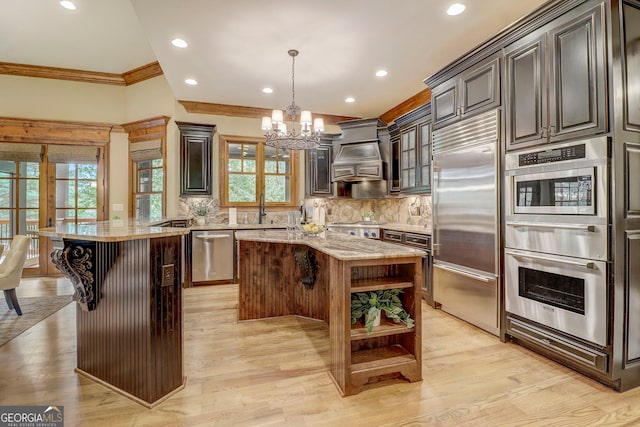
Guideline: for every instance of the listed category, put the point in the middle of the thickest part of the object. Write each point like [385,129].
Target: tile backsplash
[402,210]
[415,210]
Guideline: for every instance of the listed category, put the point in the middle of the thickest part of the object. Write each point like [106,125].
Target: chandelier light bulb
[266,123]
[318,125]
[277,116]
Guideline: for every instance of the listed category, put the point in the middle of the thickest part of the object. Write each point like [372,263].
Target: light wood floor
[274,373]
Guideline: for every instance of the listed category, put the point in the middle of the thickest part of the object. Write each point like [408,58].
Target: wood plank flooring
[274,373]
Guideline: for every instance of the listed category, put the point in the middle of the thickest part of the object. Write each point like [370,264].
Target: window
[252,168]
[149,188]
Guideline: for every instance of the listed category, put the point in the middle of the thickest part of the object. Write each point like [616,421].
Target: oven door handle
[581,227]
[464,273]
[584,264]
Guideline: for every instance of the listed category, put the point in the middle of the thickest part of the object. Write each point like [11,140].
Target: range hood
[358,156]
[358,161]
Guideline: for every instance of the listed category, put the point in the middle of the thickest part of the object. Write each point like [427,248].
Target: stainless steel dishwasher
[212,256]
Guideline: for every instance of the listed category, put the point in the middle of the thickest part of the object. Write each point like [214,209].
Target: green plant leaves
[375,302]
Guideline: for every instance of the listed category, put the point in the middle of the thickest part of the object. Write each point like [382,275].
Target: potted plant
[367,215]
[200,210]
[371,304]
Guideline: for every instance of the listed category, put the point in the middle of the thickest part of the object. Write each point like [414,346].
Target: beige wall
[48,99]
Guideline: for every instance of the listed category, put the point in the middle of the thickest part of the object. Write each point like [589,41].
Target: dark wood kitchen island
[127,280]
[314,277]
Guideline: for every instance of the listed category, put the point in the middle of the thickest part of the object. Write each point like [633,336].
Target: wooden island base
[271,276]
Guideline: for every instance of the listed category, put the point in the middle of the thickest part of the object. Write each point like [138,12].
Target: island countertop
[110,231]
[337,245]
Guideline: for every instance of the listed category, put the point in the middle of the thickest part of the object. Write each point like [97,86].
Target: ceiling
[238,47]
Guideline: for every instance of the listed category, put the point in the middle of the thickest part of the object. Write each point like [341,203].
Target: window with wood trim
[250,168]
[148,192]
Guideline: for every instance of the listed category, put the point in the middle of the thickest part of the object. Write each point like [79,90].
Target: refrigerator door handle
[464,273]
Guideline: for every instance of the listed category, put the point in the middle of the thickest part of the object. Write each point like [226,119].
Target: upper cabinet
[475,90]
[413,151]
[318,166]
[555,81]
[195,158]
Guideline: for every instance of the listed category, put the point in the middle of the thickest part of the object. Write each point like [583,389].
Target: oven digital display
[553,155]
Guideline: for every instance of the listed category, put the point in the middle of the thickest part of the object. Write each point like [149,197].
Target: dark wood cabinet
[414,151]
[473,91]
[555,81]
[318,162]
[394,159]
[195,158]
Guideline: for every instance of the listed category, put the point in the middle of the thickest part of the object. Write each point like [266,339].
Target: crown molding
[410,104]
[125,79]
[144,130]
[248,112]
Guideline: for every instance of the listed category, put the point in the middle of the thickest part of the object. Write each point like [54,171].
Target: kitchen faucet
[261,211]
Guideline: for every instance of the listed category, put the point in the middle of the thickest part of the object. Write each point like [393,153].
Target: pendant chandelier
[277,134]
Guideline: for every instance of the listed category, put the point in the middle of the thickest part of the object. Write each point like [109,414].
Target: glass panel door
[20,207]
[76,195]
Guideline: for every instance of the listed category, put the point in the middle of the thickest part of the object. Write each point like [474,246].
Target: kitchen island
[315,277]
[129,304]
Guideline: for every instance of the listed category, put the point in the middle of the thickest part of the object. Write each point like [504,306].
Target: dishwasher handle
[213,236]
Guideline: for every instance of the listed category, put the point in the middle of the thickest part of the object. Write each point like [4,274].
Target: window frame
[225,140]
[135,169]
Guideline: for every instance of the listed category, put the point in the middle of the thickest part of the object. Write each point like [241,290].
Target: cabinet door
[526,101]
[195,159]
[319,171]
[425,156]
[480,88]
[577,77]
[394,165]
[444,103]
[408,158]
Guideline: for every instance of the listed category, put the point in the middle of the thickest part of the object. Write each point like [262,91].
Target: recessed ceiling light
[267,90]
[456,9]
[179,43]
[350,99]
[68,4]
[381,73]
[191,82]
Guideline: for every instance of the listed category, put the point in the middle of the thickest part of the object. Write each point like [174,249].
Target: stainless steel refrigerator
[466,261]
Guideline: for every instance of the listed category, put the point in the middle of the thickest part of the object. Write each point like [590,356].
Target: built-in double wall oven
[556,239]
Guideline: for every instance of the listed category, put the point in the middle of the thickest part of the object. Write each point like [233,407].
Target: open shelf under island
[127,279]
[314,277]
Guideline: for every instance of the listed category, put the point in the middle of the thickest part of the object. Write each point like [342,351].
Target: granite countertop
[417,229]
[337,245]
[196,227]
[116,230]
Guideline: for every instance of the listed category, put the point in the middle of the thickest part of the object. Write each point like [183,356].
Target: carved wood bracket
[306,260]
[78,261]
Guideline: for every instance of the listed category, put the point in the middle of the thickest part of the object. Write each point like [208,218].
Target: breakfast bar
[127,280]
[281,274]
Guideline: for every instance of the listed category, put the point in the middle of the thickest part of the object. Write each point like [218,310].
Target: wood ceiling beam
[125,79]
[248,112]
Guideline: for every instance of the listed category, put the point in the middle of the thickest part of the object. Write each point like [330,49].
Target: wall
[49,99]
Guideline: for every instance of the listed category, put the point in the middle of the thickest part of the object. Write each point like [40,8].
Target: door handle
[580,227]
[584,264]
[464,273]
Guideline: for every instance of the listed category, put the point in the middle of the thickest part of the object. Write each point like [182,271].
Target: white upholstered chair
[11,270]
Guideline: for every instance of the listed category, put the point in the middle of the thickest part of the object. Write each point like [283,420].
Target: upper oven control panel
[560,154]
